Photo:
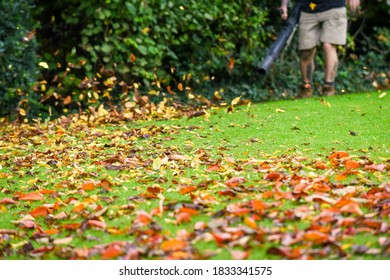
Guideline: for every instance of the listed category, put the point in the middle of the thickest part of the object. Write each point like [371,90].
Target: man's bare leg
[307,71]
[331,65]
[307,64]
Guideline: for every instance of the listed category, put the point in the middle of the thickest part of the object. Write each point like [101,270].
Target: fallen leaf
[350,164]
[239,255]
[339,155]
[188,189]
[31,196]
[173,245]
[40,211]
[7,200]
[97,224]
[235,181]
[63,241]
[112,251]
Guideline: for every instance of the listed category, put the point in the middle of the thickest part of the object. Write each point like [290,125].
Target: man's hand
[284,12]
[353,4]
[284,9]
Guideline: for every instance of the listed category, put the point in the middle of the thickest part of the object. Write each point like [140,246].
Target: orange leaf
[47,191]
[341,177]
[52,231]
[112,251]
[250,222]
[339,155]
[173,245]
[189,211]
[351,164]
[97,223]
[79,208]
[258,206]
[40,211]
[188,189]
[316,237]
[31,196]
[88,186]
[267,194]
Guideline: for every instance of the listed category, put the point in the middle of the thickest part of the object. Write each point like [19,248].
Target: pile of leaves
[74,189]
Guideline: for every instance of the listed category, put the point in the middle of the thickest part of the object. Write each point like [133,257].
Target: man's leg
[307,70]
[331,65]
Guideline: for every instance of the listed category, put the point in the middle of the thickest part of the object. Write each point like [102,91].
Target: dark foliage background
[113,51]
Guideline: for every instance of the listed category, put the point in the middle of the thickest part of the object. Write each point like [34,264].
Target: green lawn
[266,181]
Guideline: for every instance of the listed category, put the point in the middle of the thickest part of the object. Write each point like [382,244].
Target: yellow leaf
[156,163]
[278,110]
[22,112]
[236,100]
[44,65]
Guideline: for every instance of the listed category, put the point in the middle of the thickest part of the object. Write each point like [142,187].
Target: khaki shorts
[326,27]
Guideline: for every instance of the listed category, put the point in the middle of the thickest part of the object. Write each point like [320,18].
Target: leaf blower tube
[276,48]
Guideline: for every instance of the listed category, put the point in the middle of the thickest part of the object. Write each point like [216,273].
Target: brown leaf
[273,176]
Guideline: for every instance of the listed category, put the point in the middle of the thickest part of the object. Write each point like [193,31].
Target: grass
[289,137]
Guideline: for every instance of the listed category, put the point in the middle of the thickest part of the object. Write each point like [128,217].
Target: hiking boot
[306,90]
[328,90]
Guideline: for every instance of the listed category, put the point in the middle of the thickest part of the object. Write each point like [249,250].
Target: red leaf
[31,196]
[235,181]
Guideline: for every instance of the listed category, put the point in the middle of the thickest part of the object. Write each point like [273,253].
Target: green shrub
[163,47]
[17,57]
